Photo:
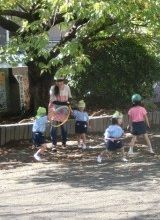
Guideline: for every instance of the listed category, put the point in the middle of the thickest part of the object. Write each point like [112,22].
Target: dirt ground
[70,184]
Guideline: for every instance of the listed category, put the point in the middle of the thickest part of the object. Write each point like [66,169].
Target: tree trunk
[39,85]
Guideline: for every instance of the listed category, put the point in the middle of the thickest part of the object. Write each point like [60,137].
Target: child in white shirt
[113,138]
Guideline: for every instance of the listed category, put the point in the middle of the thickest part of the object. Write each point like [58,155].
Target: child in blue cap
[138,122]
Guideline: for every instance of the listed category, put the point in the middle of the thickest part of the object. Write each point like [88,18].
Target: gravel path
[78,189]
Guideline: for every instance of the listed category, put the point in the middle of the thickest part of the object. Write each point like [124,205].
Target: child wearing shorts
[137,121]
[113,138]
[82,123]
[38,129]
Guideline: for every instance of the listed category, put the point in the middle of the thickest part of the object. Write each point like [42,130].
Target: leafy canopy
[84,22]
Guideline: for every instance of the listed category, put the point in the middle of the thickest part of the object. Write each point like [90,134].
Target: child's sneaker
[79,145]
[84,147]
[64,146]
[130,152]
[151,151]
[124,159]
[99,159]
[54,149]
[38,158]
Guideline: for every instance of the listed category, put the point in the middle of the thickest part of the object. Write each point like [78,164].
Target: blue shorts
[113,145]
[38,139]
[81,127]
[138,128]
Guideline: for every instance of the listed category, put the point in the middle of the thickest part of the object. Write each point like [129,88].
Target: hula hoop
[58,123]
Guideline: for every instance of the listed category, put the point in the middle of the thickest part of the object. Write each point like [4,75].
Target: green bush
[117,70]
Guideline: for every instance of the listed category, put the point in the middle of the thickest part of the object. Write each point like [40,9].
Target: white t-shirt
[64,95]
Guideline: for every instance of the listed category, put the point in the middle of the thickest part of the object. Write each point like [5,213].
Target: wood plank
[94,125]
[3,136]
[125,121]
[91,125]
[70,126]
[21,132]
[12,133]
[99,126]
[30,132]
[25,132]
[158,118]
[154,118]
[16,132]
[8,130]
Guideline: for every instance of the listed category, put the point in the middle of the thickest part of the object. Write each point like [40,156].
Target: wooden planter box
[16,132]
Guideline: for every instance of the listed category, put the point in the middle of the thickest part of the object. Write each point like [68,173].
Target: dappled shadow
[20,153]
[79,168]
[109,175]
[71,183]
[142,216]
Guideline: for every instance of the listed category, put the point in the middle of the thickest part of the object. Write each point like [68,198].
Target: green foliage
[116,72]
[149,105]
[101,19]
[93,24]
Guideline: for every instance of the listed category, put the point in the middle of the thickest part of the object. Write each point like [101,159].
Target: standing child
[113,138]
[39,127]
[82,123]
[137,121]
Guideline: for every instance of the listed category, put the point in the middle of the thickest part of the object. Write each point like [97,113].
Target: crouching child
[113,138]
[38,129]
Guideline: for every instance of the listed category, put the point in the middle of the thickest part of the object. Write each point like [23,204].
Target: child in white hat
[82,123]
[113,137]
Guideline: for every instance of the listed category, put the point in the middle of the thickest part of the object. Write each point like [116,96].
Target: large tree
[84,22]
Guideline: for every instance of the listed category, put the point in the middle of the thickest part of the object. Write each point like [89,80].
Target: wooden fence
[15,132]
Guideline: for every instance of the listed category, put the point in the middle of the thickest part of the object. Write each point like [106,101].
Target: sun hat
[81,104]
[59,78]
[117,115]
[136,98]
[41,112]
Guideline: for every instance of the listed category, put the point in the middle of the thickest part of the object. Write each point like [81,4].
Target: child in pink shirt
[138,120]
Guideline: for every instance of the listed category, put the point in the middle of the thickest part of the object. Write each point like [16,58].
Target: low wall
[15,132]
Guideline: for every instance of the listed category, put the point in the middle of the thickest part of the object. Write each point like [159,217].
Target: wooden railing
[15,132]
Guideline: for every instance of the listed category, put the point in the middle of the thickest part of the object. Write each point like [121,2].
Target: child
[82,123]
[39,127]
[113,137]
[137,118]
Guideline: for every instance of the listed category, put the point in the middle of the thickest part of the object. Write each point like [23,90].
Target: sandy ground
[71,185]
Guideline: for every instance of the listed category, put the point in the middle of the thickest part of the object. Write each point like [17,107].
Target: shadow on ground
[79,168]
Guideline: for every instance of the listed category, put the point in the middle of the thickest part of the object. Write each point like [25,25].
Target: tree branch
[8,24]
[21,7]
[56,19]
[20,14]
[71,34]
[15,13]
